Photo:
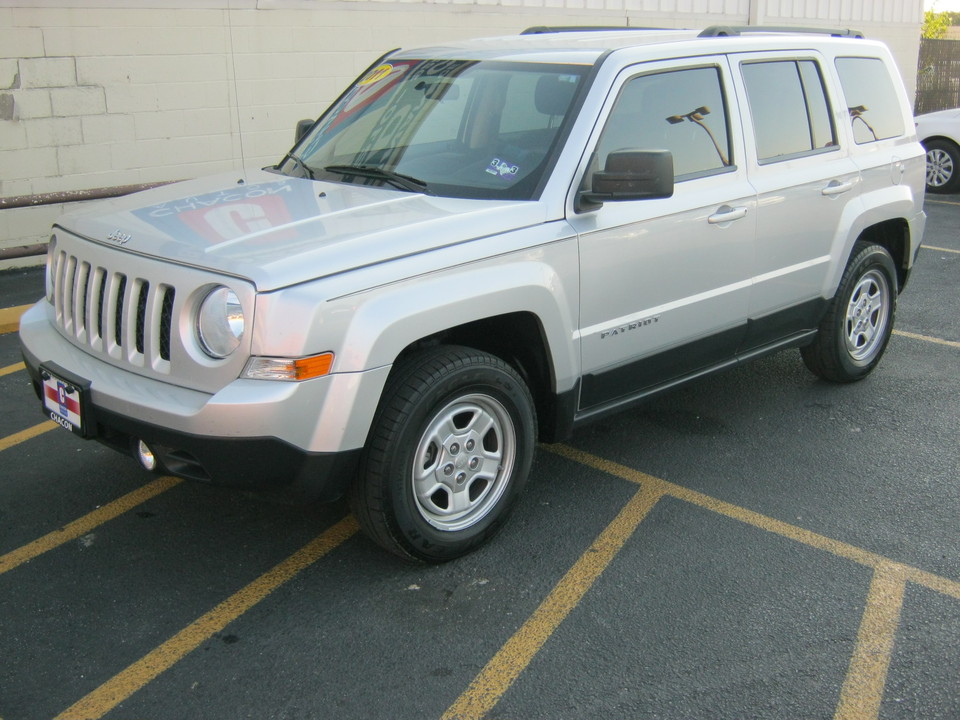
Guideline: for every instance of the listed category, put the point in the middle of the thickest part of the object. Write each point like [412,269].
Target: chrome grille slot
[166,322]
[69,293]
[97,290]
[115,310]
[60,283]
[81,294]
[141,315]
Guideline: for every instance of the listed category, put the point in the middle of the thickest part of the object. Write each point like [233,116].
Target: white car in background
[940,134]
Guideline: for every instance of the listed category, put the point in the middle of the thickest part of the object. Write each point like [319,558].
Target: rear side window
[683,111]
[871,99]
[789,107]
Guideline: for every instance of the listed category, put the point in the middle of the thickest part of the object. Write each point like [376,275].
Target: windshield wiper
[308,171]
[404,182]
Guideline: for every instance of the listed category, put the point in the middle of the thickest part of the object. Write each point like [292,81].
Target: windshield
[458,128]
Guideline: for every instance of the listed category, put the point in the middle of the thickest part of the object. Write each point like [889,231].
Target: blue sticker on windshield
[502,169]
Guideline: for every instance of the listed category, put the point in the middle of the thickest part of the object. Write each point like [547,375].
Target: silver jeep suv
[485,244]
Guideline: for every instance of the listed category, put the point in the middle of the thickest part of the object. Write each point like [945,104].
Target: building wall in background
[99,93]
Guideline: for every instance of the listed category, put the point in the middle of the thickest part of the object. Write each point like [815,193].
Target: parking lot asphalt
[759,544]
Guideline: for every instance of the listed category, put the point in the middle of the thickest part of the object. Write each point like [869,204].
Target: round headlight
[220,322]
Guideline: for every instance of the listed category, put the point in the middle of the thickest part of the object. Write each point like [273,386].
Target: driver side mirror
[629,175]
[303,127]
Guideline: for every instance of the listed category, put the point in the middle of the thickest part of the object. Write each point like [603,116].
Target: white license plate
[63,401]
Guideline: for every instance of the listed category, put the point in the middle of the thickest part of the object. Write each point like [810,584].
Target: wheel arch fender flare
[386,322]
[895,204]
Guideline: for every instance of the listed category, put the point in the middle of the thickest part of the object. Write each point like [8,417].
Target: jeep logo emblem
[120,238]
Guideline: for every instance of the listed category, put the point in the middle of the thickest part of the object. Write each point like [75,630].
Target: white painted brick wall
[53,132]
[48,72]
[31,104]
[20,42]
[154,90]
[29,163]
[9,73]
[77,101]
[108,128]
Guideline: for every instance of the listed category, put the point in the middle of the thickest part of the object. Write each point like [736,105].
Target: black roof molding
[547,29]
[727,30]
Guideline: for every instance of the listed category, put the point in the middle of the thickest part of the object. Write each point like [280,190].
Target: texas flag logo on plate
[63,402]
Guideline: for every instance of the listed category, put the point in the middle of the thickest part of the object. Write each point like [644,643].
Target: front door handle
[725,214]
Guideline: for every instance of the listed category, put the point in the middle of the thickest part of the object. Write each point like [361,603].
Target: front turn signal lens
[289,369]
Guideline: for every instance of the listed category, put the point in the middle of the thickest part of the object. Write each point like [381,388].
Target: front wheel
[854,333]
[449,452]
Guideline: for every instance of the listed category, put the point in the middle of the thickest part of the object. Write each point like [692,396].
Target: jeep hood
[277,230]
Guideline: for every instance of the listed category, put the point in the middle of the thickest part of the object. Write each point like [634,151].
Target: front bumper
[263,463]
[301,437]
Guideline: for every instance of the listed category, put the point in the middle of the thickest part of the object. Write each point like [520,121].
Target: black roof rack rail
[547,29]
[727,30]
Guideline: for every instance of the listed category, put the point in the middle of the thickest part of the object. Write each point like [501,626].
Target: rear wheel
[854,333]
[448,454]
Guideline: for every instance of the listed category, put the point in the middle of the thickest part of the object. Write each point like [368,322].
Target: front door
[665,283]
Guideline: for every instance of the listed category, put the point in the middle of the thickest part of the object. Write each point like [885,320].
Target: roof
[585,45]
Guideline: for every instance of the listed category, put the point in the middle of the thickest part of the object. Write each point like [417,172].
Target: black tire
[943,166]
[854,333]
[448,454]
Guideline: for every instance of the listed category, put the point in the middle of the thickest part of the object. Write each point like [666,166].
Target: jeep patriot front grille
[124,317]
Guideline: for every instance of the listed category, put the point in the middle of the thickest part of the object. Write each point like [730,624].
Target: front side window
[683,111]
[789,108]
[872,102]
[459,128]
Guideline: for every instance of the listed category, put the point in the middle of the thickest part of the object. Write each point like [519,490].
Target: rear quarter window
[789,108]
[872,103]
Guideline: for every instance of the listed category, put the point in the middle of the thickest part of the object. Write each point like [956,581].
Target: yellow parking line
[10,318]
[864,685]
[82,526]
[10,440]
[503,669]
[927,338]
[99,702]
[863,688]
[941,202]
[17,367]
[940,584]
[941,249]
[866,676]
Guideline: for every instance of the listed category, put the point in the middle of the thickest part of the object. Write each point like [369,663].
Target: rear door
[802,169]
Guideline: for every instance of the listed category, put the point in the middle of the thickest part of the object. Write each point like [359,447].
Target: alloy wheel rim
[463,462]
[939,167]
[868,313]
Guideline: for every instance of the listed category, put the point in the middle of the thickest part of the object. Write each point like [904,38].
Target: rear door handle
[725,214]
[835,187]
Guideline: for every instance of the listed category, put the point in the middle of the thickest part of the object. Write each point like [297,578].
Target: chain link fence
[938,76]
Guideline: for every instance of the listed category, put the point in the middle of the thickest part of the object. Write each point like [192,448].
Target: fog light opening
[145,456]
